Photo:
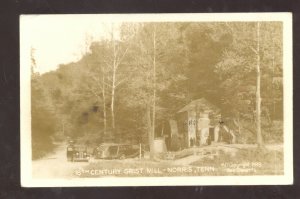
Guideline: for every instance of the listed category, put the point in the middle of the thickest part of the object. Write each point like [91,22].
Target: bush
[42,129]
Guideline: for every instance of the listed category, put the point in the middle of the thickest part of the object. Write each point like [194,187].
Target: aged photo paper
[156,99]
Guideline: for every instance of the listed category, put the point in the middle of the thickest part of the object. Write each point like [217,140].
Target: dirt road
[55,165]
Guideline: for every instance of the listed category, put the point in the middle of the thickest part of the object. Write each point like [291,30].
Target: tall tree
[159,59]
[95,74]
[241,70]
[258,87]
[119,51]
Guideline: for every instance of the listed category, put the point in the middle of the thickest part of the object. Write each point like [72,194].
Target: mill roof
[200,104]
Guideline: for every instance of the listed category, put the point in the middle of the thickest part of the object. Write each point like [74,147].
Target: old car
[77,153]
[115,151]
[80,154]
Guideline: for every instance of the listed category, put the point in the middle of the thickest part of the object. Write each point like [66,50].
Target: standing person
[70,151]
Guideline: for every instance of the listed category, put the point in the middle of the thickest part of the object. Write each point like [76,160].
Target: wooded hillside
[125,86]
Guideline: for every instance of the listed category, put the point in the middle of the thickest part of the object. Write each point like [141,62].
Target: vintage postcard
[156,99]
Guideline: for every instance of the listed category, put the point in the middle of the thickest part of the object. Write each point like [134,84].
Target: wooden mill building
[197,124]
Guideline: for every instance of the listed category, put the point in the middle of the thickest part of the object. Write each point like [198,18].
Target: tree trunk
[113,83]
[154,83]
[239,123]
[150,132]
[113,102]
[272,83]
[258,97]
[104,103]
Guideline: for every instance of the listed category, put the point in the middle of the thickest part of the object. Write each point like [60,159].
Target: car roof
[113,144]
[80,147]
[108,144]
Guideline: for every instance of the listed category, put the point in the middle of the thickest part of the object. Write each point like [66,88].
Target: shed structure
[198,124]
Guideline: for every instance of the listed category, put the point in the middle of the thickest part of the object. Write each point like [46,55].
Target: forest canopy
[125,86]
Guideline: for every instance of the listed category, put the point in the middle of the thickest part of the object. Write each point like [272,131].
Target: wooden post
[140,150]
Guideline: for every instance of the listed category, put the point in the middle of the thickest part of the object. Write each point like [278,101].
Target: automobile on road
[115,151]
[77,154]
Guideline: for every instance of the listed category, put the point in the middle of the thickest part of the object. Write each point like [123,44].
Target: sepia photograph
[156,99]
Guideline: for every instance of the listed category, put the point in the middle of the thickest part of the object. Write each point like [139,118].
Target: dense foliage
[125,87]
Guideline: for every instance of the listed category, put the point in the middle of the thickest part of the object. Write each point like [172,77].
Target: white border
[25,112]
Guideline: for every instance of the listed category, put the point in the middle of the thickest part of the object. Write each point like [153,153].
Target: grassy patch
[257,162]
